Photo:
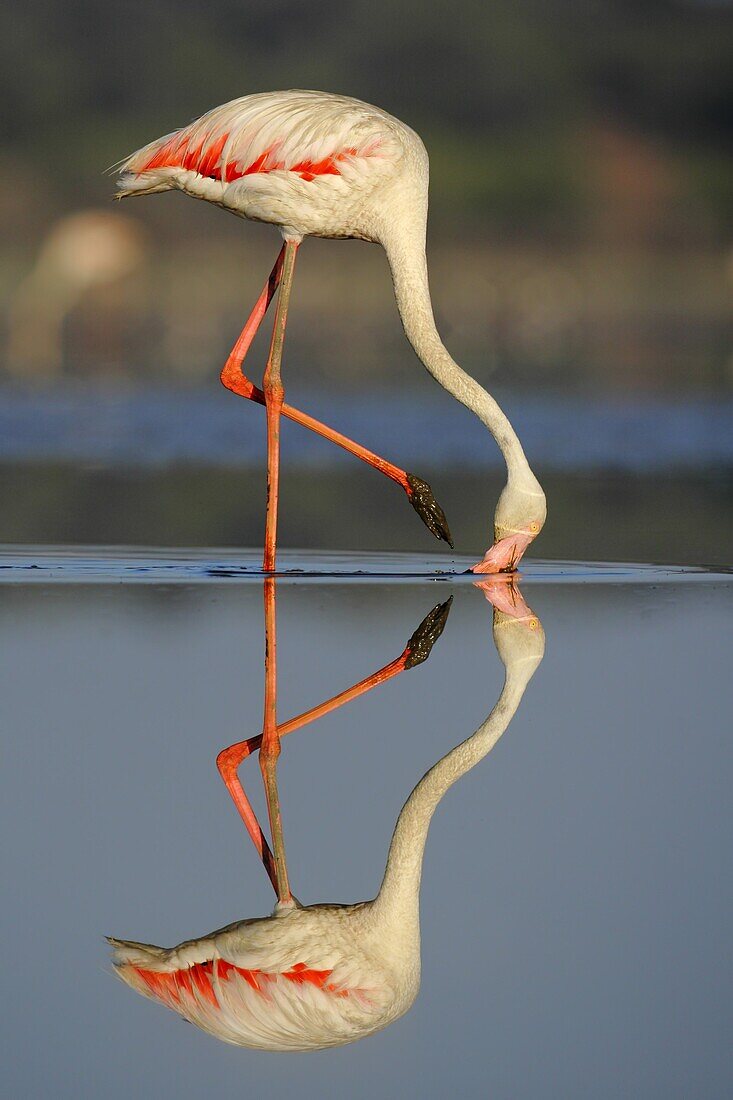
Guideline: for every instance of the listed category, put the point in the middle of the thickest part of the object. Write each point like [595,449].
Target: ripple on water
[130,565]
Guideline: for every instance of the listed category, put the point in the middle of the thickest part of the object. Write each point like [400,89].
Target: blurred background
[581,269]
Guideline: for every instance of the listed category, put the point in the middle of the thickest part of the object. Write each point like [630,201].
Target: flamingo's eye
[534,527]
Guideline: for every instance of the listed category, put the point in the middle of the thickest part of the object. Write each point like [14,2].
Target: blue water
[125,565]
[210,426]
[577,899]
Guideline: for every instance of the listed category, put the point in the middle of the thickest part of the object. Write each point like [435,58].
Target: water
[646,479]
[576,898]
[424,429]
[130,565]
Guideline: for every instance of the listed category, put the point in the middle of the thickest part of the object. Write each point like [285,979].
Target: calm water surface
[576,899]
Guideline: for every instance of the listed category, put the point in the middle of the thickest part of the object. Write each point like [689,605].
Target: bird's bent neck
[404,243]
[395,910]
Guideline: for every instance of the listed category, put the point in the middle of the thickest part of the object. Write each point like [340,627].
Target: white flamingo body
[318,164]
[303,979]
[308,162]
[324,975]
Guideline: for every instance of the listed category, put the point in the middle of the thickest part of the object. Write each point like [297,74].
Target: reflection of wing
[280,984]
[306,133]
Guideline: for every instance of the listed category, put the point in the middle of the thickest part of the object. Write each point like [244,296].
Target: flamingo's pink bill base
[504,555]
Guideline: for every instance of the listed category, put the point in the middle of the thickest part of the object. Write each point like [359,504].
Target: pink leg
[231,375]
[418,491]
[274,396]
[227,762]
[229,759]
[270,747]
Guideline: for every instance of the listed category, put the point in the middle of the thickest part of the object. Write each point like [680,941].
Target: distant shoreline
[159,427]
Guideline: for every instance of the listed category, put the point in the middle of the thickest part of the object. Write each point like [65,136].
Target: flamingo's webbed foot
[422,500]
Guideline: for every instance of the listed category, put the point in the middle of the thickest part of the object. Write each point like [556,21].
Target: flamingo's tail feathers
[139,173]
[130,184]
[129,953]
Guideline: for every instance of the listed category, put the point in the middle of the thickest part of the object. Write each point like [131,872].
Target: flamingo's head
[519,639]
[519,518]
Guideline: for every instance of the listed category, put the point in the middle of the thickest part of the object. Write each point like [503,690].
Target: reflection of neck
[405,248]
[396,907]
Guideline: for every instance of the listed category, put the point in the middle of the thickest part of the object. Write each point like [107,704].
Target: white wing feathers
[311,133]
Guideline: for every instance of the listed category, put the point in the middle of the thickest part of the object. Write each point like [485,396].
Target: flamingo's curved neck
[404,244]
[396,907]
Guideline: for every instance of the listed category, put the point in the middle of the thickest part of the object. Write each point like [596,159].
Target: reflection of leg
[227,762]
[418,492]
[229,759]
[270,748]
[274,396]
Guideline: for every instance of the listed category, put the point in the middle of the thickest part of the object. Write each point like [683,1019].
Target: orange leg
[270,747]
[274,397]
[229,760]
[418,491]
[232,376]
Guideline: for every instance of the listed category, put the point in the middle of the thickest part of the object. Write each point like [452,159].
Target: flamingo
[81,252]
[319,164]
[316,976]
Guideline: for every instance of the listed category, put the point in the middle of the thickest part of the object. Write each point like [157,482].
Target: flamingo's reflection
[309,977]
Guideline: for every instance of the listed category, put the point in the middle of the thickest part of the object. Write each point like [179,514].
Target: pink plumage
[297,159]
[249,985]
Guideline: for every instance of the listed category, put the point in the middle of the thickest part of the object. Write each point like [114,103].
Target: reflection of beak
[505,554]
[503,594]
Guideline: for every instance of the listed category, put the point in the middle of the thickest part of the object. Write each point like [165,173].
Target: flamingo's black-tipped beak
[422,500]
[427,634]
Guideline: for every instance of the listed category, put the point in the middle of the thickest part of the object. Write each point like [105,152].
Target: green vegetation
[581,192]
[505,93]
